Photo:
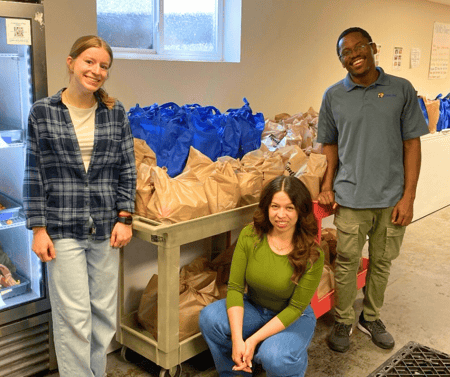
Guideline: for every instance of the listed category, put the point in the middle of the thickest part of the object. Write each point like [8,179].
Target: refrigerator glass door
[26,284]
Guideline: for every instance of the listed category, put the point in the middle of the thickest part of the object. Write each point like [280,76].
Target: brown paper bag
[143,153]
[250,183]
[293,139]
[250,187]
[196,292]
[326,250]
[271,168]
[200,164]
[222,264]
[147,314]
[302,129]
[317,165]
[312,183]
[282,116]
[145,158]
[252,160]
[293,158]
[327,282]
[330,237]
[277,130]
[268,164]
[222,188]
[176,199]
[433,113]
[198,265]
[294,118]
[197,289]
[144,189]
[235,163]
[219,180]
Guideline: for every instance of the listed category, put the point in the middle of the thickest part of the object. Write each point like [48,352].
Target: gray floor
[417,308]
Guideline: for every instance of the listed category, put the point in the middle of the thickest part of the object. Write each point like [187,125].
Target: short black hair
[352,30]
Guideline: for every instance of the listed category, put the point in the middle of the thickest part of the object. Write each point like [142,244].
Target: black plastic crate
[415,360]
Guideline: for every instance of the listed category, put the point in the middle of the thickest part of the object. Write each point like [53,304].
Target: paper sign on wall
[397,60]
[440,51]
[18,32]
[415,57]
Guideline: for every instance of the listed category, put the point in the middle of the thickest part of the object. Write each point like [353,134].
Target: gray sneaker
[339,339]
[376,330]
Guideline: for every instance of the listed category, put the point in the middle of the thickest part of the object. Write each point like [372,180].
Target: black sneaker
[339,339]
[376,330]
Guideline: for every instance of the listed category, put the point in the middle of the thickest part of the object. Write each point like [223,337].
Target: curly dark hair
[306,230]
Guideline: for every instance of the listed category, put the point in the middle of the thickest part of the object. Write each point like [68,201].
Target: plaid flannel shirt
[58,192]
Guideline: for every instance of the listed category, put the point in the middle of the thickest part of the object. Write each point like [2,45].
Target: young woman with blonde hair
[79,192]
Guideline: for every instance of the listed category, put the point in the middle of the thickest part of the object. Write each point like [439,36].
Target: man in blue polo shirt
[370,124]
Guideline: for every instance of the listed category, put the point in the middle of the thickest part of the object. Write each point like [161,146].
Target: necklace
[280,248]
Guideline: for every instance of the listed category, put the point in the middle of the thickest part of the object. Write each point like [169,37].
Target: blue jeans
[83,281]
[282,354]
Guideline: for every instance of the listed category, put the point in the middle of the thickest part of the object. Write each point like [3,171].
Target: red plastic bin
[320,212]
[326,303]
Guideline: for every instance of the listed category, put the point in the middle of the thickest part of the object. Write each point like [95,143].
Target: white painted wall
[288,53]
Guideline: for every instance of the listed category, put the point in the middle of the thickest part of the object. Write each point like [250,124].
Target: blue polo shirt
[369,124]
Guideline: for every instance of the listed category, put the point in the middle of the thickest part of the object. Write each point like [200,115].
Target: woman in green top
[277,258]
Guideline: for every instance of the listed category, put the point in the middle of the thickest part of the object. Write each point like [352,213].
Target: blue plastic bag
[206,137]
[170,131]
[423,107]
[230,135]
[251,127]
[444,113]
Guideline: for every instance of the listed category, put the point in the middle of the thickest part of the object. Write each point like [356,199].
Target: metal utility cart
[168,352]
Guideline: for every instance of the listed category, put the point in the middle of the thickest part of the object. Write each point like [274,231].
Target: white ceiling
[446,2]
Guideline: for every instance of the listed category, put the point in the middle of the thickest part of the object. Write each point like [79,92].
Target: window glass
[126,24]
[194,30]
[190,25]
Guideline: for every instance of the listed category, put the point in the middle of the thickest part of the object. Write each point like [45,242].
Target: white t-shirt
[84,123]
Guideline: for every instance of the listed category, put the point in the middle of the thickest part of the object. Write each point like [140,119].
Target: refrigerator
[26,347]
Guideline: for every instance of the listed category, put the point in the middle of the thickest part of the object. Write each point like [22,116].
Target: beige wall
[288,60]
[288,53]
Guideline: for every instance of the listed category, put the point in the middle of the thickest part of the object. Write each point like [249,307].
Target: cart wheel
[173,372]
[123,353]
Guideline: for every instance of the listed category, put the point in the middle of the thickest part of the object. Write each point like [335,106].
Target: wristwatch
[127,220]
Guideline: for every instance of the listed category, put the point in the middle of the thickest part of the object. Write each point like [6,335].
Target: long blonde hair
[86,42]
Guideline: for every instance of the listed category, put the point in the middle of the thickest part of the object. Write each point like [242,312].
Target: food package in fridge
[9,208]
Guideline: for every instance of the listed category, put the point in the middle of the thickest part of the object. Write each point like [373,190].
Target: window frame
[160,53]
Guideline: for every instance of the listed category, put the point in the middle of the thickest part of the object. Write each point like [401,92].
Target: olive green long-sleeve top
[268,276]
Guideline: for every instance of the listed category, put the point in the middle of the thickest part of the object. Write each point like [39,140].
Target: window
[171,29]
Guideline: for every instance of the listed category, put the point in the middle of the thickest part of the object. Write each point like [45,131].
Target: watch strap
[127,220]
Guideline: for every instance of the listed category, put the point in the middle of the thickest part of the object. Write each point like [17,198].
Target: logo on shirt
[382,95]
